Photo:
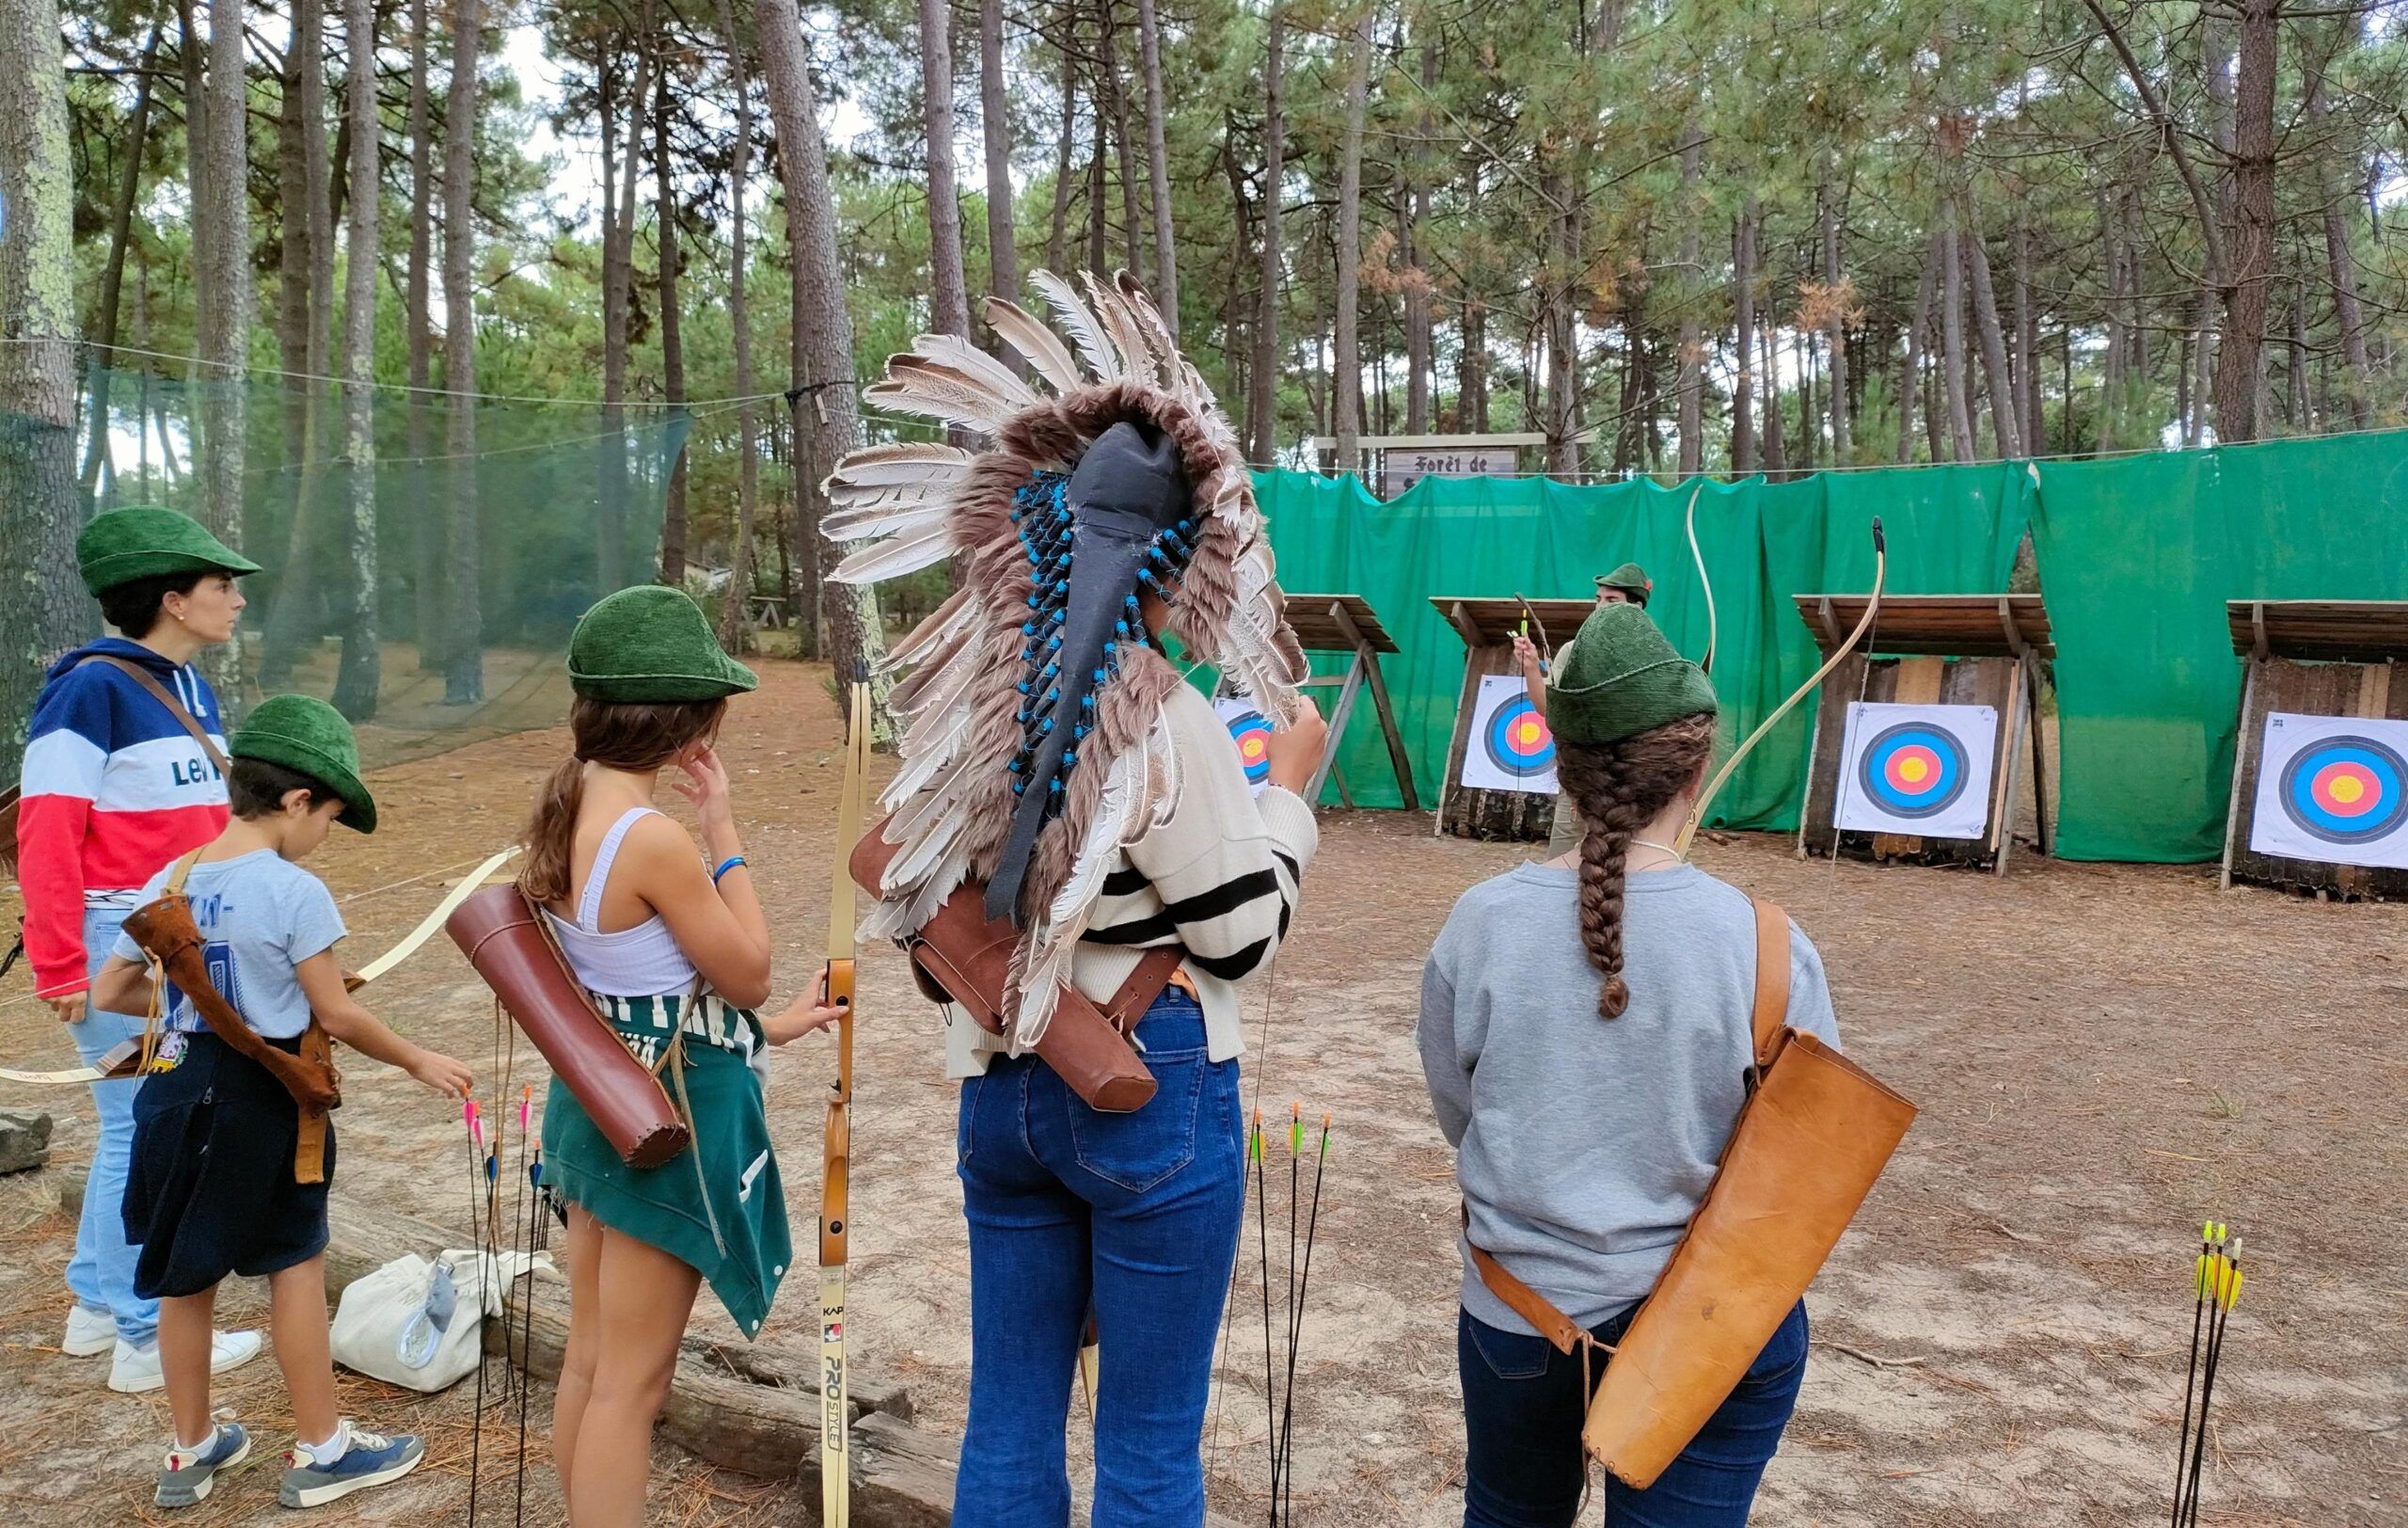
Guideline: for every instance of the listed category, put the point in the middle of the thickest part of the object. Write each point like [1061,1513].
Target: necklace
[1572,861]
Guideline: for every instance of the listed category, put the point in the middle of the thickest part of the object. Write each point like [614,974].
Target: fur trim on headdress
[960,709]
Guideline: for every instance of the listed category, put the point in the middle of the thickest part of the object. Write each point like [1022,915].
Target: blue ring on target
[1252,735]
[1912,768]
[1518,740]
[2346,790]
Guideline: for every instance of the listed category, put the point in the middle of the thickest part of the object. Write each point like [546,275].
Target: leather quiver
[165,931]
[1815,1132]
[967,958]
[504,938]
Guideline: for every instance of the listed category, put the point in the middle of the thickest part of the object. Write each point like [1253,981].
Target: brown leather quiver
[504,937]
[967,959]
[166,931]
[1815,1132]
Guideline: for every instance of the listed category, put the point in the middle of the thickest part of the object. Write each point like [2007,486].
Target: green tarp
[2136,556]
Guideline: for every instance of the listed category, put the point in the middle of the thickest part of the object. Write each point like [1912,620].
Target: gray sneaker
[190,1473]
[370,1460]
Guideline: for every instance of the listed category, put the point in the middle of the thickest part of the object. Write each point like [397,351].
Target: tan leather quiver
[166,931]
[1815,1133]
[968,958]
[504,937]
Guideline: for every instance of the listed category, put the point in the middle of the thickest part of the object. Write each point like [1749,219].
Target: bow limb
[1713,627]
[1855,638]
[835,1449]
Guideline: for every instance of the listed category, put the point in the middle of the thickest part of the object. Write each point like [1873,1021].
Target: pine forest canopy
[1782,237]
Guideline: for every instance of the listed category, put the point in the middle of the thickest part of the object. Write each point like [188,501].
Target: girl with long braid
[1585,1033]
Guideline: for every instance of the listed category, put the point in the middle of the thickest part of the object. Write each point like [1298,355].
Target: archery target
[1251,733]
[2333,789]
[1510,748]
[1920,770]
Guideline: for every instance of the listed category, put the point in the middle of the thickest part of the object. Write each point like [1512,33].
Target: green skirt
[719,1206]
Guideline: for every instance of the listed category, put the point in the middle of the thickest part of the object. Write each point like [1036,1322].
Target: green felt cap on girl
[143,541]
[651,645]
[305,735]
[1621,676]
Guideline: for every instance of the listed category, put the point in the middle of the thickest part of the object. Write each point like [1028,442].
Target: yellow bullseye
[1912,770]
[2348,789]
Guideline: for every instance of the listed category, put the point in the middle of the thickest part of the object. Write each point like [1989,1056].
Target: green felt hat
[1632,579]
[147,542]
[1620,678]
[651,644]
[305,735]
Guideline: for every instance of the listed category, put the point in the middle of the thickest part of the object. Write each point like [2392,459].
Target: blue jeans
[1523,1408]
[1136,1213]
[101,1271]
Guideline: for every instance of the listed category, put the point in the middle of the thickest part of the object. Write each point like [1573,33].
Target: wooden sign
[1401,468]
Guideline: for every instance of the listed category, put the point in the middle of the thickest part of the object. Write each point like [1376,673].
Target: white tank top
[642,962]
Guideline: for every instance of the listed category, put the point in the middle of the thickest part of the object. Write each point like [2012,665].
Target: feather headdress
[1021,683]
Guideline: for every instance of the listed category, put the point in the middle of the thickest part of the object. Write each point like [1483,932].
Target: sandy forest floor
[2103,1054]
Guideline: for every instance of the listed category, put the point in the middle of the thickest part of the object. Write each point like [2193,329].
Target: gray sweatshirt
[1583,1145]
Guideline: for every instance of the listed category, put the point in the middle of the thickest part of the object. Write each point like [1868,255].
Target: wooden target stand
[1487,627]
[1346,624]
[2313,658]
[1937,649]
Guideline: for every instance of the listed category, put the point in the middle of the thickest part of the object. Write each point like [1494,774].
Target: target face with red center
[2333,788]
[1251,735]
[1519,740]
[1920,770]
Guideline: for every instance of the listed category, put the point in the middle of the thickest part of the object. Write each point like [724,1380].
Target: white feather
[1136,360]
[1037,344]
[971,361]
[934,634]
[1085,330]
[938,391]
[901,463]
[915,774]
[891,518]
[893,559]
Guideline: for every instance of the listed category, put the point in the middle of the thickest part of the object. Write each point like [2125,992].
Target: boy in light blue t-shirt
[212,1191]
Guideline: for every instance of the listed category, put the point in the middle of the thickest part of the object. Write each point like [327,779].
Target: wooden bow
[402,949]
[1863,628]
[835,1452]
[1705,584]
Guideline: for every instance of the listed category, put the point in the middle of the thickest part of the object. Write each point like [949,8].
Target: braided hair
[1619,787]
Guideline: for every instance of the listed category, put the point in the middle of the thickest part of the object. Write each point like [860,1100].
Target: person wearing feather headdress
[1053,755]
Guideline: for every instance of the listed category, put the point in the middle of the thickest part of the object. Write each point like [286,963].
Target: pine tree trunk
[1124,152]
[96,449]
[302,589]
[356,681]
[2027,348]
[1957,361]
[1776,445]
[1560,323]
[672,346]
[1743,314]
[464,680]
[827,409]
[618,278]
[1263,405]
[426,526]
[995,132]
[2239,366]
[1835,332]
[1158,162]
[1415,210]
[1057,243]
[800,529]
[1099,255]
[1909,368]
[1692,356]
[222,306]
[2002,426]
[2341,266]
[1346,403]
[1809,425]
[736,613]
[949,289]
[44,611]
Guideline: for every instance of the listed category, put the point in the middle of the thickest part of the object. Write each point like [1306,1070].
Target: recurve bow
[835,1452]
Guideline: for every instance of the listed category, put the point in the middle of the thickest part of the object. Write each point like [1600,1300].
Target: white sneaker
[134,1370]
[89,1334]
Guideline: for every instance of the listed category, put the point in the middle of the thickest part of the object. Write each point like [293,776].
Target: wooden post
[1369,660]
[1338,715]
[2240,747]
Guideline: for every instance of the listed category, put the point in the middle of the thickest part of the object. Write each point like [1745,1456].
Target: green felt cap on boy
[1621,676]
[305,735]
[649,646]
[144,541]
[1630,579]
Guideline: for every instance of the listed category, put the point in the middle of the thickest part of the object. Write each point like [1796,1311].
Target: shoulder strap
[598,875]
[165,697]
[1772,980]
[175,886]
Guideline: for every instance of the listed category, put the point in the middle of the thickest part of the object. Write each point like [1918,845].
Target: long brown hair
[621,736]
[1619,787]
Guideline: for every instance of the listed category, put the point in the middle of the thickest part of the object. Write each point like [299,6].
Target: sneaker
[135,1370]
[368,1459]
[90,1333]
[189,1473]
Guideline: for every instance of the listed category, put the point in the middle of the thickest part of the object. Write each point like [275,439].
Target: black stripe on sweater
[1235,967]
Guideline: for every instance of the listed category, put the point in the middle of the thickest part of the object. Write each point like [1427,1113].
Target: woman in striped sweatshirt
[122,774]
